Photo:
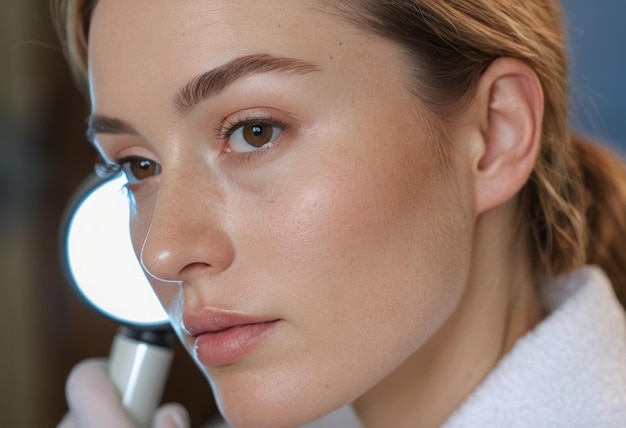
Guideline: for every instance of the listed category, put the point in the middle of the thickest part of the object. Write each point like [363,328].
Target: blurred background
[597,38]
[44,328]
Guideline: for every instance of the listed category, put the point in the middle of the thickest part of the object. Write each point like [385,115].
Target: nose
[187,236]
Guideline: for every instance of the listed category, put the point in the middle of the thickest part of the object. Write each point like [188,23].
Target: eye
[254,135]
[138,169]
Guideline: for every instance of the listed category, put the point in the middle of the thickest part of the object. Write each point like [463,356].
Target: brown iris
[257,134]
[143,168]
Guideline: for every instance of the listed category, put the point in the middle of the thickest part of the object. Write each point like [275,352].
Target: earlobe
[512,101]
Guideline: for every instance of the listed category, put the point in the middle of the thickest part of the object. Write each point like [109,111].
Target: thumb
[92,398]
[171,415]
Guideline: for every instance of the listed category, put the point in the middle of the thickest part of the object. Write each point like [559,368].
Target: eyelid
[285,122]
[249,117]
[108,169]
[114,147]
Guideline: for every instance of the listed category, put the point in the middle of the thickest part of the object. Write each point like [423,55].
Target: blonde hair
[71,18]
[574,202]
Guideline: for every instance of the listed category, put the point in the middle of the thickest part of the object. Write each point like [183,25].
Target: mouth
[221,339]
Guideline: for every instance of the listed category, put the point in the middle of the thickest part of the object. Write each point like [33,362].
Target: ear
[510,99]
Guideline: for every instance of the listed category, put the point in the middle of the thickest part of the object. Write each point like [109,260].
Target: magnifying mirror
[101,264]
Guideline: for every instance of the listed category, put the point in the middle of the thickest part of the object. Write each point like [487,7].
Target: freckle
[327,385]
[332,57]
[340,43]
[279,25]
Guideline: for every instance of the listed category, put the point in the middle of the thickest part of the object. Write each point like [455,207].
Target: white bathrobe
[568,372]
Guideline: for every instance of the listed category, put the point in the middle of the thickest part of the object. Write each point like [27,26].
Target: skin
[398,282]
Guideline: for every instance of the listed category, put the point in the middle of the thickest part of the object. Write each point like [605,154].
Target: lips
[223,338]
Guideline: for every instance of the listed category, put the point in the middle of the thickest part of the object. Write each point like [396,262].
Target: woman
[366,202]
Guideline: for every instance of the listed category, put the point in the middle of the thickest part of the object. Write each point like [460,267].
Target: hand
[94,402]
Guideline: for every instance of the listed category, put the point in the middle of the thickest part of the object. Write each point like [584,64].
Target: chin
[287,413]
[270,401]
[264,420]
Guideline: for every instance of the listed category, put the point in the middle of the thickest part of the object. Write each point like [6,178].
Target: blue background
[597,36]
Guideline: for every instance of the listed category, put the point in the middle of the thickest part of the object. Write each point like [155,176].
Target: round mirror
[100,259]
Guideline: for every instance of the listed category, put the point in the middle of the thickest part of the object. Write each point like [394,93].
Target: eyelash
[105,169]
[229,126]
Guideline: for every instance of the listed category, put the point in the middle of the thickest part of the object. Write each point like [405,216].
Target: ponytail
[604,178]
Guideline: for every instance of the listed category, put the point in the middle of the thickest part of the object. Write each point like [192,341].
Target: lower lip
[228,346]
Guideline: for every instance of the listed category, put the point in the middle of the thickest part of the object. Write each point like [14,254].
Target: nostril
[192,267]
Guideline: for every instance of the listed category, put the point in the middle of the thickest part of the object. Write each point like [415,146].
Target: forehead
[166,42]
[168,23]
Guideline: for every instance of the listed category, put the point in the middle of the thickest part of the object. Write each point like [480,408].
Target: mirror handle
[139,370]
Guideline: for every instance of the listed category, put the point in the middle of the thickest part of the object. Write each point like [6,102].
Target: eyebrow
[206,85]
[214,81]
[99,124]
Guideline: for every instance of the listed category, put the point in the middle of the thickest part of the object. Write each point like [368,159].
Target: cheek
[371,247]
[139,226]
[365,257]
[142,206]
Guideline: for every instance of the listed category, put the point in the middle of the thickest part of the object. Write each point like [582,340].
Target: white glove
[94,402]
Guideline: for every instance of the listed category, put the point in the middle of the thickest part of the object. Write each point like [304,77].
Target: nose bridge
[187,233]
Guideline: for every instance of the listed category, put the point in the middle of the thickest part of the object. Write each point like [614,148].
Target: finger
[171,415]
[92,398]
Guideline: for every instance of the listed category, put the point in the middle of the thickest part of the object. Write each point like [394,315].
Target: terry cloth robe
[569,371]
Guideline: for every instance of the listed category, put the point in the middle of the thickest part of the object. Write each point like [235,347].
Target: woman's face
[290,207]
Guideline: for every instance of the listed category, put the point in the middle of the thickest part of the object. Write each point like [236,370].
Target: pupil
[257,134]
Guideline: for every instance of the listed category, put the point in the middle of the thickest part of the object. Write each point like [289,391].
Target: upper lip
[213,321]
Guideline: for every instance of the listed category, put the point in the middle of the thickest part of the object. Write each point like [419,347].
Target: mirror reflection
[101,260]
